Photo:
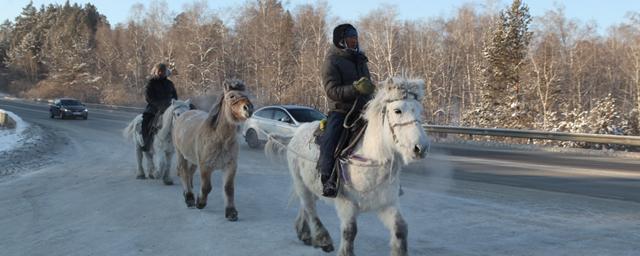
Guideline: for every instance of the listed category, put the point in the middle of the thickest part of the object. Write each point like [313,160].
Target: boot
[329,187]
[147,142]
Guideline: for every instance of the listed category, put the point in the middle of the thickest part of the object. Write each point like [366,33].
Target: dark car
[279,119]
[68,108]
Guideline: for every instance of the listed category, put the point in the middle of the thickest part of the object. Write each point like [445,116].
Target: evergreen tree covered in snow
[502,95]
[24,55]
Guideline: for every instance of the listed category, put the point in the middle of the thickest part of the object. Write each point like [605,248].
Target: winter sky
[604,12]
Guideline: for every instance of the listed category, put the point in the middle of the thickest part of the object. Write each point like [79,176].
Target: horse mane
[395,88]
[216,109]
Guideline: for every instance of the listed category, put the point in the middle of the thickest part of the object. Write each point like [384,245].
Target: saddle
[156,125]
[349,138]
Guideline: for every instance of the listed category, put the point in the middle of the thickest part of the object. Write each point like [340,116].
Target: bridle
[391,126]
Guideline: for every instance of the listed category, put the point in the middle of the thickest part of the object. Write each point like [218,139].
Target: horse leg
[185,171]
[205,185]
[140,174]
[320,237]
[230,211]
[392,219]
[302,227]
[151,166]
[166,164]
[347,213]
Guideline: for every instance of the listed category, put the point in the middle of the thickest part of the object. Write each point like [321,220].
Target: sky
[603,12]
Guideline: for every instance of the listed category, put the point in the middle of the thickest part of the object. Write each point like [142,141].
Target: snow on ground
[91,204]
[94,206]
[10,138]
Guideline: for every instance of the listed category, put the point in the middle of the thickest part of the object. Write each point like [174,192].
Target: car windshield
[70,102]
[304,115]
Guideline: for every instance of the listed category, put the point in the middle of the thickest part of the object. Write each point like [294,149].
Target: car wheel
[85,117]
[50,114]
[252,139]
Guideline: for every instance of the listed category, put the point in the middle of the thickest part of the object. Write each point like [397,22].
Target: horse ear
[417,86]
[234,85]
[172,101]
[388,84]
[188,101]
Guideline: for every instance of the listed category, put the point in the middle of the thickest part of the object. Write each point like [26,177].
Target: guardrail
[114,107]
[530,134]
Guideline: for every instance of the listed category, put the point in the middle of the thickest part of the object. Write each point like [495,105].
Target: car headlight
[86,110]
[65,110]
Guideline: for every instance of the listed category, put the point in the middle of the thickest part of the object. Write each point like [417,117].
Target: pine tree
[6,29]
[24,54]
[502,98]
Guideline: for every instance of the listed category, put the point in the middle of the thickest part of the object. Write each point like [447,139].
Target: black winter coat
[341,68]
[158,94]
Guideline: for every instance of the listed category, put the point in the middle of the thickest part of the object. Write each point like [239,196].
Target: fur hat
[341,32]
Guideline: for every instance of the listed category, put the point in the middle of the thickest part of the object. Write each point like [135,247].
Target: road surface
[458,201]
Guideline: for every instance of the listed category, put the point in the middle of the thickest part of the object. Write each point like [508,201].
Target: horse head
[234,104]
[178,107]
[172,112]
[396,110]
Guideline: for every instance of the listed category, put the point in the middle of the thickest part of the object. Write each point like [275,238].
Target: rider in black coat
[346,80]
[158,94]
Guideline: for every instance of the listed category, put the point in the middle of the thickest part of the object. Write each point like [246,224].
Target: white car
[278,119]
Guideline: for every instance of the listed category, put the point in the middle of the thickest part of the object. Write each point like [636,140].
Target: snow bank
[10,138]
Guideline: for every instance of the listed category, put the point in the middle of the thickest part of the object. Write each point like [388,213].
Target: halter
[405,95]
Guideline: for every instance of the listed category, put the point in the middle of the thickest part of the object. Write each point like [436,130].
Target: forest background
[482,67]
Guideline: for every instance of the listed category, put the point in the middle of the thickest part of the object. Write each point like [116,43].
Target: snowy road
[459,201]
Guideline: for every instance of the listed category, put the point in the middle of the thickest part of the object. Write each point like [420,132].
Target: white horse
[370,180]
[162,144]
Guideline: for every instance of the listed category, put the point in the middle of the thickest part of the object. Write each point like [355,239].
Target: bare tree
[311,44]
[380,37]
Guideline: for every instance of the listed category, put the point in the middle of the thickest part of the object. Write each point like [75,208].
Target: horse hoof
[190,200]
[231,214]
[200,204]
[327,248]
[168,182]
[141,177]
[151,176]
[306,241]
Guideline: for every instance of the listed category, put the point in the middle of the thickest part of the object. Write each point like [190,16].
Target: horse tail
[276,151]
[276,147]
[130,132]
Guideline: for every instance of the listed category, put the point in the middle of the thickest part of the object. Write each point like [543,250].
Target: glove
[364,86]
[323,124]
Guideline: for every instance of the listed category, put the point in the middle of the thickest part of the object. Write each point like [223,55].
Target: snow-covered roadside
[27,148]
[11,138]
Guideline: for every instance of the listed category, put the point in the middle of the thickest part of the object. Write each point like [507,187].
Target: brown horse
[208,140]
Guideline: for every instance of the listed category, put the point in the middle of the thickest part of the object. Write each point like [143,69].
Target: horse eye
[233,96]
[397,111]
